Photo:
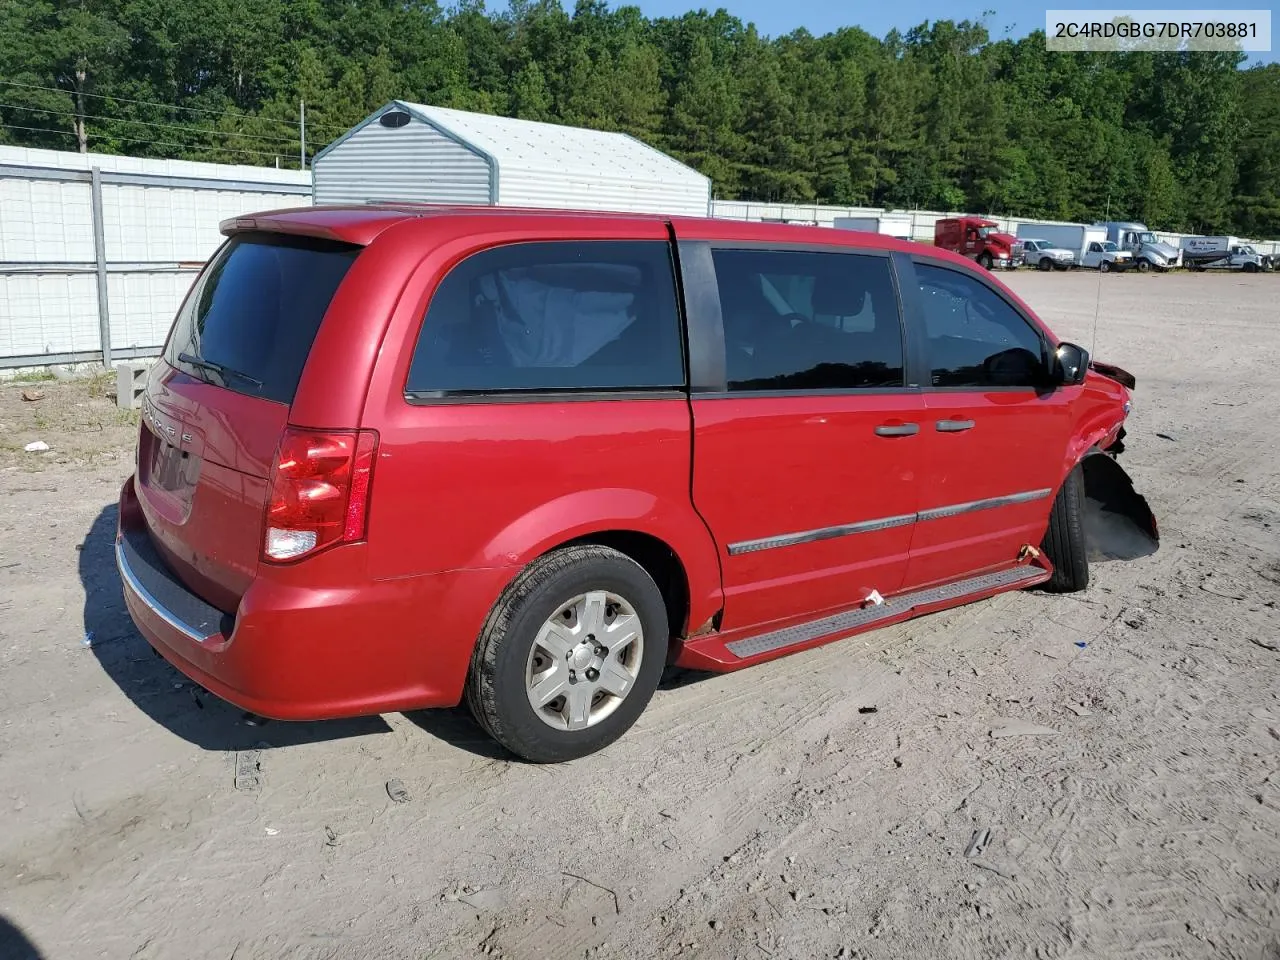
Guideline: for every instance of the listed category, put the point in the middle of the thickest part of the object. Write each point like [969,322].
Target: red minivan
[394,456]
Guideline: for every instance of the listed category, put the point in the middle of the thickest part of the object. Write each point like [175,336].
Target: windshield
[1147,238]
[985,232]
[1249,250]
[249,321]
[1109,247]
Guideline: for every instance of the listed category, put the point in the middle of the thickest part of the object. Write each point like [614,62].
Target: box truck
[887,224]
[1089,245]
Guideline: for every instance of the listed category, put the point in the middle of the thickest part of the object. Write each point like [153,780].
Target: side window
[797,320]
[567,315]
[1095,247]
[975,339]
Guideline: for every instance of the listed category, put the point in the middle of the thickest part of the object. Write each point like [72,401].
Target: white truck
[1046,255]
[1224,253]
[885,224]
[1149,251]
[1089,245]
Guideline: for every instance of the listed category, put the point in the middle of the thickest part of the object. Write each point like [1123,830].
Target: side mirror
[1071,364]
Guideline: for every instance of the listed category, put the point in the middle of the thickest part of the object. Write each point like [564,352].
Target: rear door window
[249,322]
[804,320]
[557,316]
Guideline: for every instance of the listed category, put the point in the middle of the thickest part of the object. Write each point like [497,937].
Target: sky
[1015,19]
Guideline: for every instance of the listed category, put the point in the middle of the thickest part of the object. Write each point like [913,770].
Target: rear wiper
[221,370]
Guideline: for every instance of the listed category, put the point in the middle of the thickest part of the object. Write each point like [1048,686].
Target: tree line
[941,116]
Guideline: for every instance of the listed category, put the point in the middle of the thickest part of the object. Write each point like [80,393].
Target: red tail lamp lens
[320,486]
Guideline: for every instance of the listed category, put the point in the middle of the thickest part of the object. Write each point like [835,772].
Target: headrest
[836,295]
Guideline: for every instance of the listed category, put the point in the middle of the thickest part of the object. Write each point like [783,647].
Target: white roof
[553,148]
[111,163]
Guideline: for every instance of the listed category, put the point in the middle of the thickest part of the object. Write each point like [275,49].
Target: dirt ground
[820,806]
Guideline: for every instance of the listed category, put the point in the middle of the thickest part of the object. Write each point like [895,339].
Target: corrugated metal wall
[414,162]
[159,224]
[532,188]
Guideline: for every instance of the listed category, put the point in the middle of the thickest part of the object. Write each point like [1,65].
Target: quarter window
[974,338]
[558,316]
[797,320]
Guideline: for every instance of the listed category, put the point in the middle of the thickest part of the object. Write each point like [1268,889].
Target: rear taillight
[319,491]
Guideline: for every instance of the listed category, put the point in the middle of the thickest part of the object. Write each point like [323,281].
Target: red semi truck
[978,239]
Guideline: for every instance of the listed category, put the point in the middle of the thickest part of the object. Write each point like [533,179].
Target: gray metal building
[414,152]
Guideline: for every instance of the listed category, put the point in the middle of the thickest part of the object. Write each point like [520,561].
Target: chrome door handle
[897,430]
[954,426]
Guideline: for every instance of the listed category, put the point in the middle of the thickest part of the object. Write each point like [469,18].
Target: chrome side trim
[955,509]
[825,533]
[882,523]
[132,583]
[893,607]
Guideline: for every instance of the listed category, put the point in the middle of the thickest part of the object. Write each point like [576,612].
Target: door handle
[954,426]
[897,429]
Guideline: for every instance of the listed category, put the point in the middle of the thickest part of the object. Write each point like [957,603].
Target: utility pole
[302,134]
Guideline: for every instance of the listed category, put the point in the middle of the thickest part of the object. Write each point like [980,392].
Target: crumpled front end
[1119,523]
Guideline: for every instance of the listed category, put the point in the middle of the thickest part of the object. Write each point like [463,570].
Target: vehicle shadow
[456,727]
[14,944]
[159,690]
[459,729]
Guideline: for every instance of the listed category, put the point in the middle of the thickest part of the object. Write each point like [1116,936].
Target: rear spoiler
[355,225]
[1122,377]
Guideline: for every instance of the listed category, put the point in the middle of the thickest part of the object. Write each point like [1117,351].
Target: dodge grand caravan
[398,456]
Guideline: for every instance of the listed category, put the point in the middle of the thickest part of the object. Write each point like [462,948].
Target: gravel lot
[768,813]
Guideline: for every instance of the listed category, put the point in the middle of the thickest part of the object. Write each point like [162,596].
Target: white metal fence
[97,251]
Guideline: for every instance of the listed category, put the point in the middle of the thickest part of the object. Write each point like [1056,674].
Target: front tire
[1045,264]
[985,261]
[1064,541]
[1104,266]
[1144,266]
[570,655]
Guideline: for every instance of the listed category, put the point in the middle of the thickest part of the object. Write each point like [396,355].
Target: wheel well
[659,561]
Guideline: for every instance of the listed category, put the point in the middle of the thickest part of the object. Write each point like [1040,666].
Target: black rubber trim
[703,320]
[917,359]
[145,574]
[440,398]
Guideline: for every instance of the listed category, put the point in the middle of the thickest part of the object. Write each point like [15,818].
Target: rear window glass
[250,321]
[555,316]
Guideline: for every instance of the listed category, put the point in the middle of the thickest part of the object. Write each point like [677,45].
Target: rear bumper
[315,640]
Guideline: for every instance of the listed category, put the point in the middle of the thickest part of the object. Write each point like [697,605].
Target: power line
[157,143]
[148,123]
[164,106]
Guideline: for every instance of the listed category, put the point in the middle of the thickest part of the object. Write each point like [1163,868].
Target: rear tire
[568,592]
[1064,541]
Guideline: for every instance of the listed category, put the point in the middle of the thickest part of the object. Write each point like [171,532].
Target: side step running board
[893,607]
